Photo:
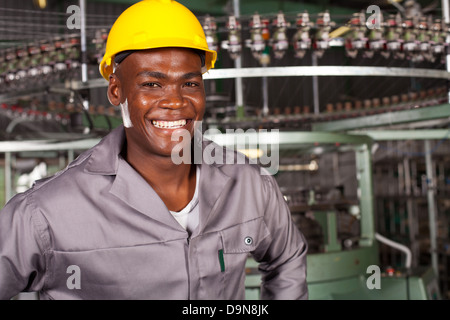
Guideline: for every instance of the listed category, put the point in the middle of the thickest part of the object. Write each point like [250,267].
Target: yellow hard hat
[152,24]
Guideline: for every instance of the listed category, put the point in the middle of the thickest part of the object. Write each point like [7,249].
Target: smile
[169,124]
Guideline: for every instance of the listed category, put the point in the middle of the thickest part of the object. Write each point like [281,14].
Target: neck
[160,171]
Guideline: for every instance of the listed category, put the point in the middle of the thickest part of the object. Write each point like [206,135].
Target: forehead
[179,58]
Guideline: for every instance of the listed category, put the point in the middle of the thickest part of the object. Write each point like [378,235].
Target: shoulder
[81,179]
[63,176]
[60,184]
[101,159]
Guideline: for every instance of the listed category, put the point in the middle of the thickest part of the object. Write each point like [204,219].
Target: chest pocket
[244,237]
[238,242]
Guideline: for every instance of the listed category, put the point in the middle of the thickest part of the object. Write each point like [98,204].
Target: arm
[22,262]
[282,255]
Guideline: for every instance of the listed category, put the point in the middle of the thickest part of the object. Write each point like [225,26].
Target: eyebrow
[160,75]
[191,75]
[153,74]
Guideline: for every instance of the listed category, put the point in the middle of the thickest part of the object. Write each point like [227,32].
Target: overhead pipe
[432,212]
[84,66]
[84,74]
[238,64]
[446,18]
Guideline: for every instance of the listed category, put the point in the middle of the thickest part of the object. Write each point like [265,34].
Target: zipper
[188,241]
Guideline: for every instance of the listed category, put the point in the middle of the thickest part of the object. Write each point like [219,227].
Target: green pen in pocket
[221,261]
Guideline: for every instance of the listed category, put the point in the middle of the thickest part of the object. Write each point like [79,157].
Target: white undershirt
[188,216]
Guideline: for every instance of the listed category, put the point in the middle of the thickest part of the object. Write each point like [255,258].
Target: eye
[191,84]
[151,84]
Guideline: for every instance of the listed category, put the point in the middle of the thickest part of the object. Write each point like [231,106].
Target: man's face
[165,93]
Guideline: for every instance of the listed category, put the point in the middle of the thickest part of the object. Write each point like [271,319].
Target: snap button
[248,240]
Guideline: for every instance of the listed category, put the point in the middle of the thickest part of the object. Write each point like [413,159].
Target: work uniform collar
[105,155]
[132,188]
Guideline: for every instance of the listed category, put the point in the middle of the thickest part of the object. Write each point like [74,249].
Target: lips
[164,124]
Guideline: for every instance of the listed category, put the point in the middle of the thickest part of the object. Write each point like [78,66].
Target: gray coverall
[100,220]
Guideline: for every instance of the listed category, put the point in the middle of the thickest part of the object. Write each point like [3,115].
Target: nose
[173,98]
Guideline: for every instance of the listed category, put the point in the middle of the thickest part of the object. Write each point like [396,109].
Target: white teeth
[169,124]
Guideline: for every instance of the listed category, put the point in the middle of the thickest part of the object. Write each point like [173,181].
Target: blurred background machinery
[358,90]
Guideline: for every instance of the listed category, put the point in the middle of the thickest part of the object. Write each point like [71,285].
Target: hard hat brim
[106,65]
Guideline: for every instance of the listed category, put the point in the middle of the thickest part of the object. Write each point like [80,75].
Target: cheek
[137,108]
[200,107]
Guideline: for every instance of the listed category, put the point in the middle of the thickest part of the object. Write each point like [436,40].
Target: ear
[114,90]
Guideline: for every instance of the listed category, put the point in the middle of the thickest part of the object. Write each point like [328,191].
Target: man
[123,221]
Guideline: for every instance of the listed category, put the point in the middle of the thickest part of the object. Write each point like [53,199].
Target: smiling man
[161,92]
[123,221]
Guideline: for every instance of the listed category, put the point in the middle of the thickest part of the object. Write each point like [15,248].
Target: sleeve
[22,260]
[282,255]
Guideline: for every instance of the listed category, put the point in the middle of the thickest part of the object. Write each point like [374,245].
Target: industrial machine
[343,260]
